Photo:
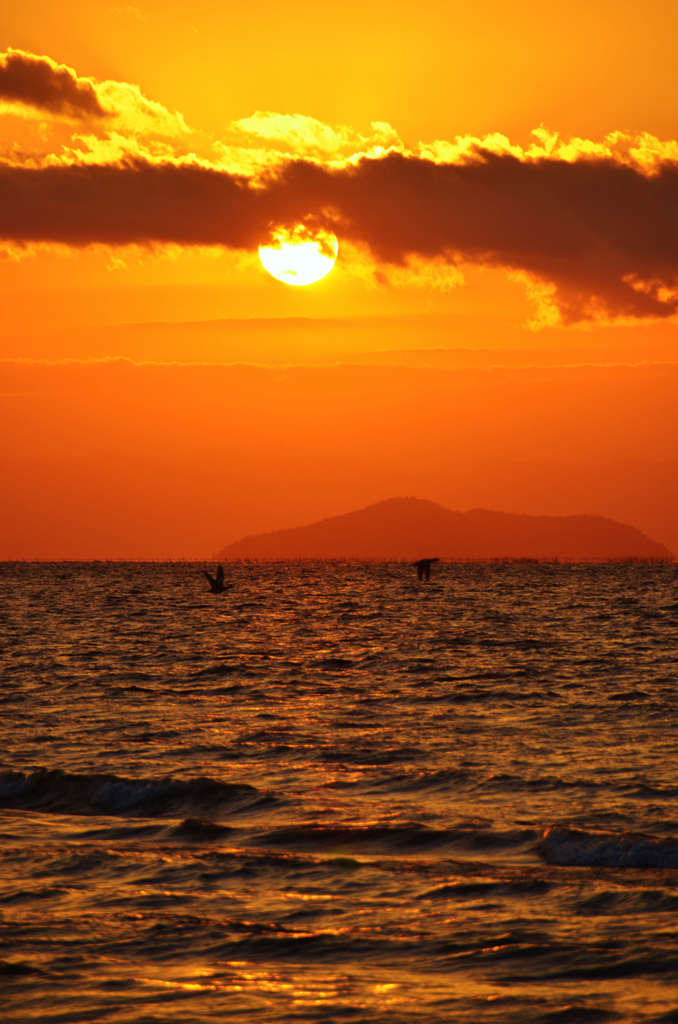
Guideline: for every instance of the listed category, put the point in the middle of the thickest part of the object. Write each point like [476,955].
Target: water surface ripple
[337,794]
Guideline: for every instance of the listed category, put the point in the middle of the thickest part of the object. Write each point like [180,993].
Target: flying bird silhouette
[217,585]
[423,567]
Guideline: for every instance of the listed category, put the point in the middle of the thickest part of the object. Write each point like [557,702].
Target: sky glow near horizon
[144,180]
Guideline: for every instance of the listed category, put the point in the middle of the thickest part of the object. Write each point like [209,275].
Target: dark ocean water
[337,794]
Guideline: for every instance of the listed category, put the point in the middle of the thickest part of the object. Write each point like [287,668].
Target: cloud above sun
[592,226]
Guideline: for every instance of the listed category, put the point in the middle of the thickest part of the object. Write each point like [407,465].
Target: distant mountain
[411,528]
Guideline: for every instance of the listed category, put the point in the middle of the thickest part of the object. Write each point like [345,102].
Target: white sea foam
[573,847]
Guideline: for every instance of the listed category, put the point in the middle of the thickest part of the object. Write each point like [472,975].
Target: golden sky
[501,177]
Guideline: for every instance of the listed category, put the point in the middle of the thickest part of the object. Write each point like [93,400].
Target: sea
[335,793]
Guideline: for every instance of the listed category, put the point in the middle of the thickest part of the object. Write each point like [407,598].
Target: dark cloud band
[602,234]
[39,82]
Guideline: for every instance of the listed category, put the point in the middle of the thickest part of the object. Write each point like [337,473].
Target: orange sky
[509,297]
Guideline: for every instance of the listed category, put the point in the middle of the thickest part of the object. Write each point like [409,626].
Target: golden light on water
[299,256]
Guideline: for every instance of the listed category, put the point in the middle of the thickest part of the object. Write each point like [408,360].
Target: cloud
[306,136]
[82,120]
[590,227]
[598,236]
[135,113]
[601,234]
[120,204]
[41,83]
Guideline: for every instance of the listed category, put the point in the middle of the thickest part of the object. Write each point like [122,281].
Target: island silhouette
[410,529]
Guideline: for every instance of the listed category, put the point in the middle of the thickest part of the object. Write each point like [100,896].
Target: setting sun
[299,257]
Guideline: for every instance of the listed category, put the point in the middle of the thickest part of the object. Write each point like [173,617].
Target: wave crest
[61,792]
[573,847]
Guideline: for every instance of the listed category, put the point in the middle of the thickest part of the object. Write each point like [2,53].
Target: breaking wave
[407,837]
[573,847]
[61,792]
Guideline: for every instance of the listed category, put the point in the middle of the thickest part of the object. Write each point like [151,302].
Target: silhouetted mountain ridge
[413,528]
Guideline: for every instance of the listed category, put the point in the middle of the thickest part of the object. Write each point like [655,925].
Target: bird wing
[209,578]
[220,574]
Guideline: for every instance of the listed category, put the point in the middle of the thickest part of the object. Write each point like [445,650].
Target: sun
[300,256]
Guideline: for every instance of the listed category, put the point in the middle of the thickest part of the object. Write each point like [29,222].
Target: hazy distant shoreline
[358,560]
